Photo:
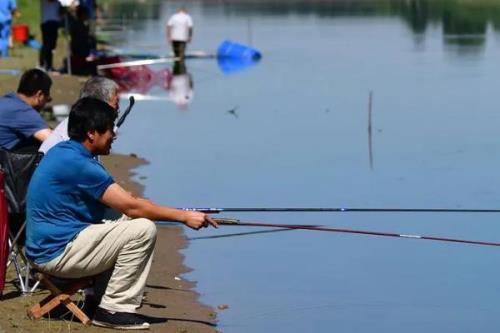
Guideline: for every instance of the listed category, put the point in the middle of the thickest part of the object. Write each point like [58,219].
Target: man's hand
[119,199]
[197,220]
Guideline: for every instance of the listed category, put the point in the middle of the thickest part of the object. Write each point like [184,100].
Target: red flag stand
[4,233]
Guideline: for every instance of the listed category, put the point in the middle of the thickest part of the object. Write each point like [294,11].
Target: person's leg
[175,48]
[42,59]
[4,39]
[52,29]
[126,247]
[182,50]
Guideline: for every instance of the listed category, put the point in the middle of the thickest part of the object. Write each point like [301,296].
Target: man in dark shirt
[21,126]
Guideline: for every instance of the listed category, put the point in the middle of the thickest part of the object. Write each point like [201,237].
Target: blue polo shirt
[63,199]
[18,121]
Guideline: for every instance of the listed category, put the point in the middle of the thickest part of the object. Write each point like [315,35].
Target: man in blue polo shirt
[21,126]
[67,196]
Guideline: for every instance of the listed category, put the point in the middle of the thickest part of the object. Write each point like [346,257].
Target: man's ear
[91,135]
[39,94]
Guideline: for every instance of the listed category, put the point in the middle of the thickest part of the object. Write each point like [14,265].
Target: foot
[119,320]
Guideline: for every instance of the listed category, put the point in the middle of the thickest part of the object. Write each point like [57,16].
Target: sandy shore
[170,299]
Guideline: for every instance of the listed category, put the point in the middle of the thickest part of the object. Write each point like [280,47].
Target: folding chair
[60,296]
[18,168]
[4,231]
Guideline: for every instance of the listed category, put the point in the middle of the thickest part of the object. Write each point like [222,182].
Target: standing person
[65,236]
[92,9]
[82,44]
[180,31]
[21,126]
[7,9]
[51,21]
[97,87]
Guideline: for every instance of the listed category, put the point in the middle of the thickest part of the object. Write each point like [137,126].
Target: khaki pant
[124,248]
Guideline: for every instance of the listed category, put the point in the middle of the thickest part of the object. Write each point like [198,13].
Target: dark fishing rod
[342,210]
[235,222]
[131,102]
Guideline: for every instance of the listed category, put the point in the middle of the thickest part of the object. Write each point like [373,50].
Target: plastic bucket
[20,32]
[228,49]
[229,65]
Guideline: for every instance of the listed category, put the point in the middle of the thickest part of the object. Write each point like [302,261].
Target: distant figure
[51,21]
[97,87]
[21,126]
[180,31]
[92,10]
[7,9]
[82,43]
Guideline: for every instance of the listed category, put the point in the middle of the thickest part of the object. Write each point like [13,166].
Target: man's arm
[42,134]
[117,198]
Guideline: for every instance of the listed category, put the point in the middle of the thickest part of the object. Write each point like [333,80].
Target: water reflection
[144,82]
[174,84]
[464,23]
[293,131]
[181,85]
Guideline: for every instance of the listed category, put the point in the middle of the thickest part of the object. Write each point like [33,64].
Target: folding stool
[60,297]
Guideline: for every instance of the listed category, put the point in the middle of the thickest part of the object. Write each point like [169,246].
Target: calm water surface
[292,131]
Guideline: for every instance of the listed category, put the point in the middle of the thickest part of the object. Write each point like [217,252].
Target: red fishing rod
[235,222]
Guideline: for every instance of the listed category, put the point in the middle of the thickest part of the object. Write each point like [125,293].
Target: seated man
[67,196]
[96,87]
[21,126]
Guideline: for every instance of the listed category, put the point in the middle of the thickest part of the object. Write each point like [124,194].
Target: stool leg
[58,297]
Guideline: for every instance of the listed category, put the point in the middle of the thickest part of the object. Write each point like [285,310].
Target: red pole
[4,233]
[353,231]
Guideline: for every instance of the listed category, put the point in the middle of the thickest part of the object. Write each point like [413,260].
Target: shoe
[119,320]
[90,305]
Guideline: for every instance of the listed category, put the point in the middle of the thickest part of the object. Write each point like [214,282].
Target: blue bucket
[228,49]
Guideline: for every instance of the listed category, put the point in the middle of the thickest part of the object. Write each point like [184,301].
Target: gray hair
[99,87]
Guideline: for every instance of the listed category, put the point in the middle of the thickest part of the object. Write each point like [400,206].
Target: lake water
[292,131]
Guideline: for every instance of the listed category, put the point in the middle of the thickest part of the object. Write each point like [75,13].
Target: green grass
[30,15]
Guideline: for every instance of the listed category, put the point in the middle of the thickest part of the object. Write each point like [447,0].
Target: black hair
[90,114]
[34,80]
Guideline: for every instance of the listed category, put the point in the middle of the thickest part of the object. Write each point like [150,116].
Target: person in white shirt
[180,31]
[96,87]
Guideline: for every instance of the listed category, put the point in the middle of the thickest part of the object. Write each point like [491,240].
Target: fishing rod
[131,102]
[342,210]
[235,222]
[139,63]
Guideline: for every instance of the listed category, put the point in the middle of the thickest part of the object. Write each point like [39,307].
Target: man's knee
[147,228]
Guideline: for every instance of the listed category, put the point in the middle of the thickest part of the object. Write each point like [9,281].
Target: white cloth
[60,133]
[179,24]
[50,10]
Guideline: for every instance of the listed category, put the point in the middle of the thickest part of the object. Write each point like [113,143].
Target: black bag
[18,168]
